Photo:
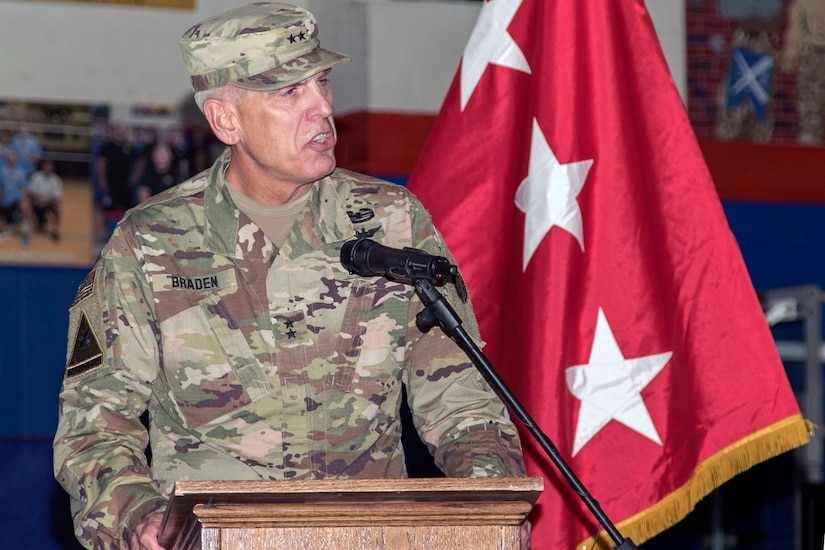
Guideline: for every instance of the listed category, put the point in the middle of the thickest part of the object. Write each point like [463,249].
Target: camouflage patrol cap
[260,46]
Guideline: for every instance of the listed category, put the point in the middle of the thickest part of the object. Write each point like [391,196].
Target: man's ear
[220,115]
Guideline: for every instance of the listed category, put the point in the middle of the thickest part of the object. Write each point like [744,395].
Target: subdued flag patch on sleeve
[84,290]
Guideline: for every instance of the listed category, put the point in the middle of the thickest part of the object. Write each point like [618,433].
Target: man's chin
[326,168]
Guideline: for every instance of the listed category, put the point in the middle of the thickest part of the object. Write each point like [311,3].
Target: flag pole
[437,311]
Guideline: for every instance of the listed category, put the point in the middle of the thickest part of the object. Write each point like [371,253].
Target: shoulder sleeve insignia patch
[86,354]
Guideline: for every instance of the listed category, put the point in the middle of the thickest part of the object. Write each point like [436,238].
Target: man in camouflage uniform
[221,307]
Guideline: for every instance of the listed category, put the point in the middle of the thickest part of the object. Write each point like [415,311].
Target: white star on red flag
[490,43]
[547,196]
[609,387]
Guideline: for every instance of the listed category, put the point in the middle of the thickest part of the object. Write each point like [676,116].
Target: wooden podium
[356,514]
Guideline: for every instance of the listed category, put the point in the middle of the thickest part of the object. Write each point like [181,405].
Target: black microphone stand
[437,311]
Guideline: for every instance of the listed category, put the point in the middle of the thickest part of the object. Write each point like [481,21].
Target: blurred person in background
[44,194]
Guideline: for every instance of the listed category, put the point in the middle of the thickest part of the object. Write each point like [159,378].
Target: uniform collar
[229,232]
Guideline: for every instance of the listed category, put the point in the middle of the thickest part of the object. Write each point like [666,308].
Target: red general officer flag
[566,179]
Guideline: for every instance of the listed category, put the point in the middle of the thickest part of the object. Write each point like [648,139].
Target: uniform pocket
[366,381]
[209,366]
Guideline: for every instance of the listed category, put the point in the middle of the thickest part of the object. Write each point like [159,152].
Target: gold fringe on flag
[749,451]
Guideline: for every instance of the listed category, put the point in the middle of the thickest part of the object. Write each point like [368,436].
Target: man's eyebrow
[320,74]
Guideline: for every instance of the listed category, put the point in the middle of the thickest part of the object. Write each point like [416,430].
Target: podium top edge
[374,486]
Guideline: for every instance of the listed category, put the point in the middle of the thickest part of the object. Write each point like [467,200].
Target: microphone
[366,257]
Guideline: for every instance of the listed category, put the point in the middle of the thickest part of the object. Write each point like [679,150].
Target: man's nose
[321,99]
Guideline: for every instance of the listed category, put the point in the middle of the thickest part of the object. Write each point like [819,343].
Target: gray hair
[227,93]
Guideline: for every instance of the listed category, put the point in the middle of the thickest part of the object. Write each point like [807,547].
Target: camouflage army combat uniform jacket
[256,362]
